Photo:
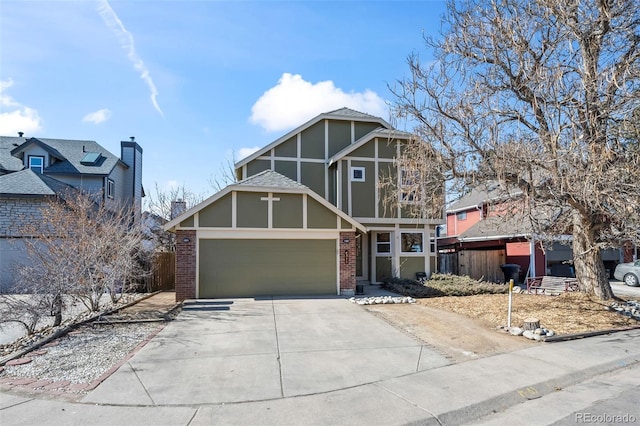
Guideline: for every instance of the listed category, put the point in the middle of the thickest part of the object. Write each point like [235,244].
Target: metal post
[510,297]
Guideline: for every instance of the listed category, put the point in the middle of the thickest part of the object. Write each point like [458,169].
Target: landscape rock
[379,300]
[516,331]
[528,334]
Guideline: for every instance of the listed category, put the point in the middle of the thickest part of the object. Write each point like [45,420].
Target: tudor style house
[33,169]
[307,216]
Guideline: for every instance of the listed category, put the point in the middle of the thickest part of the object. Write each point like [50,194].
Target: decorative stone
[537,337]
[516,331]
[550,333]
[528,334]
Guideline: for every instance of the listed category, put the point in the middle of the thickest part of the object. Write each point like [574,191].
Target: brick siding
[186,253]
[347,263]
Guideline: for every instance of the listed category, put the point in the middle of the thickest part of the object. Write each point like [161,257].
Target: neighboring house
[482,234]
[34,169]
[306,217]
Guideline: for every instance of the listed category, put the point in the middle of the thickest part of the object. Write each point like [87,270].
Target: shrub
[443,285]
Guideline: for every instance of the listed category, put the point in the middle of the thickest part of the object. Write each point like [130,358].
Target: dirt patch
[464,328]
[456,336]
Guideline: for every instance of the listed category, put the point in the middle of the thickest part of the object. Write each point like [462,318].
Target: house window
[461,215]
[411,242]
[36,163]
[409,186]
[111,188]
[383,243]
[357,174]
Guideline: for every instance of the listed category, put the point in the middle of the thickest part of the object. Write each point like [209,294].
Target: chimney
[131,155]
[177,208]
[20,134]
[133,138]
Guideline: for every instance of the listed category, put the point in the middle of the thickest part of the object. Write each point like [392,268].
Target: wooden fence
[477,264]
[162,272]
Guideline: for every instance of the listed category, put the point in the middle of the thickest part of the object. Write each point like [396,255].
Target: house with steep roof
[34,169]
[307,217]
[482,233]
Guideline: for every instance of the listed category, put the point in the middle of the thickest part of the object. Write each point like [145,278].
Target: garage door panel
[247,268]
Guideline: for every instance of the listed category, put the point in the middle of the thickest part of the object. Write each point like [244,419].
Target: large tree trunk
[587,259]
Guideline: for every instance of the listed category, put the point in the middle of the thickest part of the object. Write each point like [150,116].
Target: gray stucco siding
[252,212]
[339,136]
[288,148]
[312,175]
[287,213]
[362,128]
[387,149]
[312,141]
[257,166]
[386,172]
[217,214]
[320,217]
[368,150]
[363,202]
[410,265]
[287,168]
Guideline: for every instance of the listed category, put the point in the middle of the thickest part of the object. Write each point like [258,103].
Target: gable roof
[345,114]
[482,194]
[27,183]
[9,163]
[380,132]
[268,181]
[497,227]
[70,154]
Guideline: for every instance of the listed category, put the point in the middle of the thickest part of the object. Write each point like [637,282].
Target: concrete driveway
[238,350]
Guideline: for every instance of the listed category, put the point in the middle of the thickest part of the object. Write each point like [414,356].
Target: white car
[628,273]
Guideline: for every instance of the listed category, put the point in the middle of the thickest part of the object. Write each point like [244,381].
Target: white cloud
[126,41]
[245,152]
[98,116]
[293,101]
[15,116]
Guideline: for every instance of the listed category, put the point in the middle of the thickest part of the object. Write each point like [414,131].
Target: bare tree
[531,94]
[82,248]
[160,206]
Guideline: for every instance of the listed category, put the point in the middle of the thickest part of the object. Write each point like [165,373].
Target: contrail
[126,41]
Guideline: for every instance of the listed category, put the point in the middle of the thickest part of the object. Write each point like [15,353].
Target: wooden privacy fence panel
[448,263]
[162,273]
[483,264]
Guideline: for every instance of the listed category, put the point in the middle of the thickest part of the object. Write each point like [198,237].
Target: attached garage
[265,236]
[253,267]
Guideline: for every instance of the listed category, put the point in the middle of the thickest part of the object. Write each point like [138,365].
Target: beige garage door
[248,268]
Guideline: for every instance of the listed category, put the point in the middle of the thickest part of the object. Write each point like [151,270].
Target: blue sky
[197,82]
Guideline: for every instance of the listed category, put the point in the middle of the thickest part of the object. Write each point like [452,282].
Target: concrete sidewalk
[446,394]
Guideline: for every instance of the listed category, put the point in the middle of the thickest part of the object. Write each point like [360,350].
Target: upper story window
[410,189]
[111,188]
[461,215]
[357,174]
[36,163]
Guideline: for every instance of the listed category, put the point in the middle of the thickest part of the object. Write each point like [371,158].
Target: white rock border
[380,300]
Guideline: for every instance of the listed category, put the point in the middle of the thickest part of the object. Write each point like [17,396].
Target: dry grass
[565,314]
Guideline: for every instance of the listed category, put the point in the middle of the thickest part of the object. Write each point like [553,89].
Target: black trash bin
[511,271]
[359,289]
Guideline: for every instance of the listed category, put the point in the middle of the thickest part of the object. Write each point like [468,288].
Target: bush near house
[443,285]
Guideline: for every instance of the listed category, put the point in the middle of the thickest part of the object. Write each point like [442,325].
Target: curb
[476,411]
[575,336]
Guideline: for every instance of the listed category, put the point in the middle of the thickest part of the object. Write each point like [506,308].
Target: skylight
[90,158]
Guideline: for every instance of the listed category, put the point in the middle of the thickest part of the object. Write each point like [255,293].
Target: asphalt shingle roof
[27,182]
[269,178]
[348,112]
[481,195]
[71,152]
